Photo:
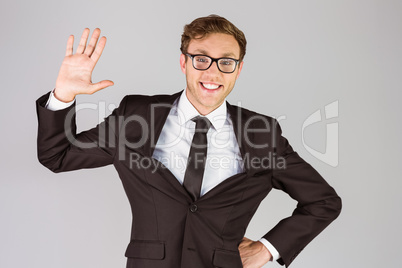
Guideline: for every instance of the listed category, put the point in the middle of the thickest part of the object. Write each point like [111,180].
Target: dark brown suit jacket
[168,229]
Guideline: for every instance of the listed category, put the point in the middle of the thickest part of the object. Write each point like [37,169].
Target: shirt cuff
[271,249]
[53,104]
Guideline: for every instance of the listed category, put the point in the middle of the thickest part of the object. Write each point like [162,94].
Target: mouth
[210,86]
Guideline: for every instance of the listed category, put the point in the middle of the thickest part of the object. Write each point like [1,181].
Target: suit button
[193,208]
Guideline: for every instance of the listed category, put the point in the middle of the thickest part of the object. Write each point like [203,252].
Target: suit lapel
[156,116]
[239,121]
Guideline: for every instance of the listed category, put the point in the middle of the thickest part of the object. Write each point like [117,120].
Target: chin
[211,104]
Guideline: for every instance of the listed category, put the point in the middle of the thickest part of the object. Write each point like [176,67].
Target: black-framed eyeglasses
[203,62]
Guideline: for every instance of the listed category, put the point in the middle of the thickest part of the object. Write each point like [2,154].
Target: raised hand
[76,70]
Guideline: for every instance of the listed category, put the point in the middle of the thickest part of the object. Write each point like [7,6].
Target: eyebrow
[228,54]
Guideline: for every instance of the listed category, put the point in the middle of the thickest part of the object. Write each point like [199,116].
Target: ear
[183,63]
[240,68]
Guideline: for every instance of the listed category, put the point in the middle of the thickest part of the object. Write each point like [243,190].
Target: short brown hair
[201,27]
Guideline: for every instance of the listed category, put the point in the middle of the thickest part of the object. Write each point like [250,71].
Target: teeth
[210,86]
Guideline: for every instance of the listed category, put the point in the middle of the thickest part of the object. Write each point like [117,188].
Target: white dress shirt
[173,146]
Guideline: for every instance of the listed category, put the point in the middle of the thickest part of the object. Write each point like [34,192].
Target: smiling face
[206,90]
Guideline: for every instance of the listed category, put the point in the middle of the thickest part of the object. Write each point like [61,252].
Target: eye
[226,62]
[202,59]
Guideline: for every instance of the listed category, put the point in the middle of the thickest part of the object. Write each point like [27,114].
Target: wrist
[267,254]
[272,250]
[63,96]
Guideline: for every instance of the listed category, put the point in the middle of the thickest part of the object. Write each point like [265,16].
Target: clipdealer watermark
[117,125]
[173,161]
[331,154]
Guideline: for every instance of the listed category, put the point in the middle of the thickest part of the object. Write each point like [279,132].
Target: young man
[193,214]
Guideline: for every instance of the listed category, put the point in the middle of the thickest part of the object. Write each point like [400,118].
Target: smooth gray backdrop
[302,55]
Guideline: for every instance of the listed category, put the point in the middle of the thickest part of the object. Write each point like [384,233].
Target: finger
[99,49]
[69,48]
[83,41]
[92,43]
[101,85]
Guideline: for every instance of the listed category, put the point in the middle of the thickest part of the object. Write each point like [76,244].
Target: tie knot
[202,124]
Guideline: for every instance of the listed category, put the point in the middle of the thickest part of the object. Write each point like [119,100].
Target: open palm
[76,70]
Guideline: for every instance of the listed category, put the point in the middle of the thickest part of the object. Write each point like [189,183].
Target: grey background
[302,55]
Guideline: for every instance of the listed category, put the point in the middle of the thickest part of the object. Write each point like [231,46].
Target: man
[194,214]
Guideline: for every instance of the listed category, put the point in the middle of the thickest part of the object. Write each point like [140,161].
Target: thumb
[100,85]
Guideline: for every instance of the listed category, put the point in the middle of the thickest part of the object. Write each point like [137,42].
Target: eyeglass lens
[204,62]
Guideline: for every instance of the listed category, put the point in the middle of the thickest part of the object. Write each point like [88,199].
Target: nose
[213,68]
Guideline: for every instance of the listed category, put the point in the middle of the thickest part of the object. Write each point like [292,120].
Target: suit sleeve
[60,148]
[318,203]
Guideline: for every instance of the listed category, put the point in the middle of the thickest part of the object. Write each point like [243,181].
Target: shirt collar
[186,111]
